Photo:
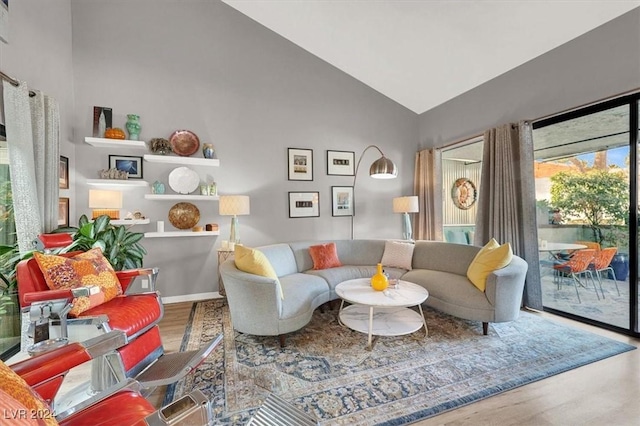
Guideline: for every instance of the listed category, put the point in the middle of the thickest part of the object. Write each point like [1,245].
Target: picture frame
[63,173]
[127,163]
[300,163]
[63,212]
[304,204]
[341,163]
[342,200]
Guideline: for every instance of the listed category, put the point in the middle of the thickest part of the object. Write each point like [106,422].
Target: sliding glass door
[585,175]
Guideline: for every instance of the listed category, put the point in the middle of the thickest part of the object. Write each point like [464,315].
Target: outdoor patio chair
[602,263]
[575,267]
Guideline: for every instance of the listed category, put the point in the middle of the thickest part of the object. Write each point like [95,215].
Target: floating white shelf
[183,197]
[117,182]
[170,234]
[114,143]
[173,159]
[131,222]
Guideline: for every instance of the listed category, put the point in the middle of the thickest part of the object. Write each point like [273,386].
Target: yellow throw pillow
[255,262]
[491,257]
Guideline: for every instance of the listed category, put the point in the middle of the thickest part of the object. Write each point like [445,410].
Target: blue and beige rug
[325,371]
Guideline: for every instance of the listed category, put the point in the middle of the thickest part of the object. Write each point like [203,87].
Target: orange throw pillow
[324,256]
[14,386]
[86,269]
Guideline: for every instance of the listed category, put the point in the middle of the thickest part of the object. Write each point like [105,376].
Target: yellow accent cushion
[86,269]
[255,262]
[491,257]
[15,386]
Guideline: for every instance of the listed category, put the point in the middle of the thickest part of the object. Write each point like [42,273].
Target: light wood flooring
[603,393]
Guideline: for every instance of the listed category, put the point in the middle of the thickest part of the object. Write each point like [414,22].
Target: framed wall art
[342,200]
[304,204]
[300,164]
[341,163]
[464,193]
[131,165]
[63,211]
[63,173]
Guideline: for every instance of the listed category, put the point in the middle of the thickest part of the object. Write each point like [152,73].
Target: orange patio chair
[577,266]
[602,263]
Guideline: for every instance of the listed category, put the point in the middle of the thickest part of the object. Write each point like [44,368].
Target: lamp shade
[231,205]
[101,199]
[406,204]
[383,168]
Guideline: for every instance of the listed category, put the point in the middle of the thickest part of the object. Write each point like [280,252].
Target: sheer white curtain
[32,126]
[506,203]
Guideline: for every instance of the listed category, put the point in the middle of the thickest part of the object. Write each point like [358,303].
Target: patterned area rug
[325,370]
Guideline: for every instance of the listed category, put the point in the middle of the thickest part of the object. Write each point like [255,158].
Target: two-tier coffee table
[381,313]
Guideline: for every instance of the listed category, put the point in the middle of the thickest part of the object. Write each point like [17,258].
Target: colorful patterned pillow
[86,269]
[15,387]
[324,256]
[397,254]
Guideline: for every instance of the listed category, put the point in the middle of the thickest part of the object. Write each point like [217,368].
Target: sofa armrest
[127,276]
[505,288]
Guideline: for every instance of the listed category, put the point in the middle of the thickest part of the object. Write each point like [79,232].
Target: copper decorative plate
[184,215]
[184,142]
[464,193]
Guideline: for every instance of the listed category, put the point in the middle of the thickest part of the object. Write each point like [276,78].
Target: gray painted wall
[253,94]
[601,63]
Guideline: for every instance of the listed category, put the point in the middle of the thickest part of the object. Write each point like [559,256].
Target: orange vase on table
[379,281]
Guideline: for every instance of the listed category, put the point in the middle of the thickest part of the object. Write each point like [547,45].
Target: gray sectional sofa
[257,308]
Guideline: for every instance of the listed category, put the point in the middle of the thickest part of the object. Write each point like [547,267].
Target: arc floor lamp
[382,168]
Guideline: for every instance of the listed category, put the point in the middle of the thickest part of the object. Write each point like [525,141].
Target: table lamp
[406,205]
[234,205]
[105,203]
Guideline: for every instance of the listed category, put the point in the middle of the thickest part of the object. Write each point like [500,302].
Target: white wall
[602,63]
[39,53]
[203,66]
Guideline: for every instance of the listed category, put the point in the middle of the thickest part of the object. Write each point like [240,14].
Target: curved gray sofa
[257,308]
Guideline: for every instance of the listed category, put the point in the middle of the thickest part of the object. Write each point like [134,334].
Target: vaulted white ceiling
[421,53]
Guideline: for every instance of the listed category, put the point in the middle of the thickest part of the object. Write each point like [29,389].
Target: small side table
[223,255]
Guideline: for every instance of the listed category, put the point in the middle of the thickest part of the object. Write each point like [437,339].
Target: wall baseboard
[191,297]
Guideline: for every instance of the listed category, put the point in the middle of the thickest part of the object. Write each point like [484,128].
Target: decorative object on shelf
[136,215]
[213,188]
[157,187]
[382,168]
[183,180]
[464,193]
[105,202]
[63,173]
[211,227]
[379,280]
[406,205]
[160,226]
[341,163]
[160,146]
[208,151]
[102,120]
[133,126]
[184,142]
[234,205]
[114,173]
[184,215]
[63,211]
[304,204]
[114,133]
[129,164]
[342,200]
[197,229]
[204,189]
[300,164]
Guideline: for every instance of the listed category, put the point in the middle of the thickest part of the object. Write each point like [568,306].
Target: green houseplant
[120,246]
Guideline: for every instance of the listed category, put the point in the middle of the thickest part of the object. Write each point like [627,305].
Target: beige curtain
[506,204]
[428,221]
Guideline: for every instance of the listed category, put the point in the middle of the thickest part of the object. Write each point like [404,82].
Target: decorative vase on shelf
[133,126]
[208,151]
[379,281]
[158,187]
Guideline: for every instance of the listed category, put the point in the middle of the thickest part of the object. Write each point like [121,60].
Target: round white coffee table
[392,316]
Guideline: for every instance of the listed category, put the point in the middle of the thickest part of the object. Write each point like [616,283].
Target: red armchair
[136,315]
[28,388]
